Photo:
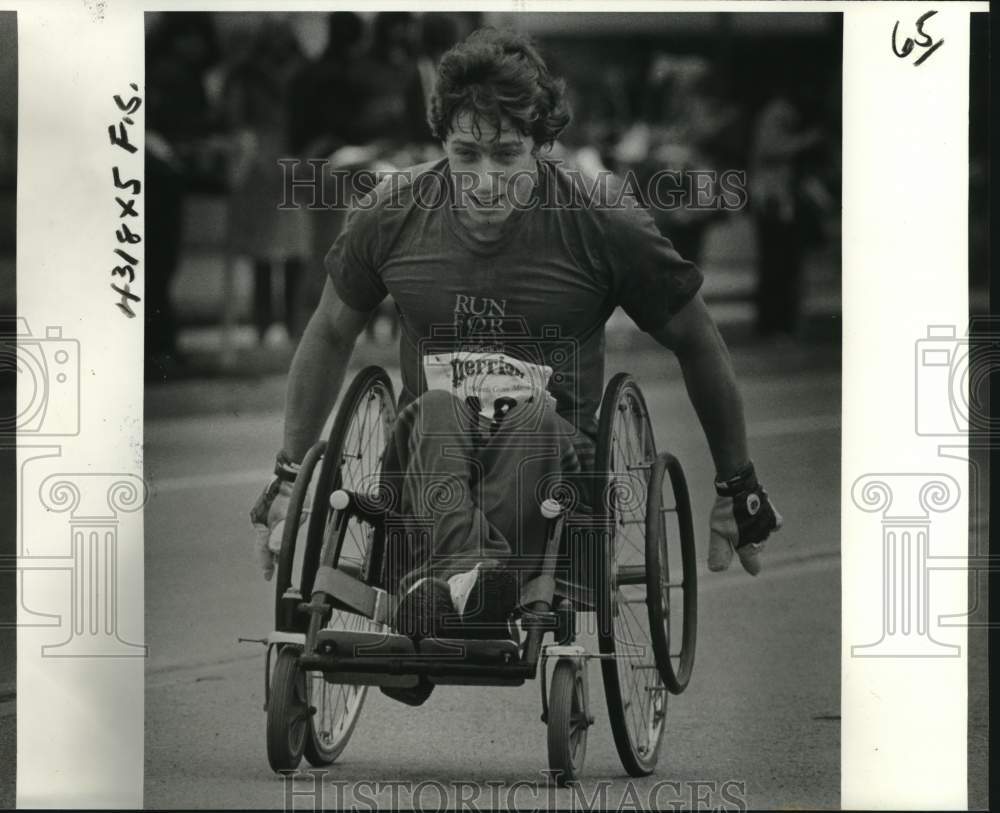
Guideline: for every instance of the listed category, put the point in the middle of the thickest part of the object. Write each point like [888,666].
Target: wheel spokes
[359,466]
[631,462]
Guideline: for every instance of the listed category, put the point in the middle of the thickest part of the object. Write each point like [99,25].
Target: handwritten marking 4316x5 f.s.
[125,235]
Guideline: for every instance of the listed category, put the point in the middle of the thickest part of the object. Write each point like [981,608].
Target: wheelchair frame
[311,654]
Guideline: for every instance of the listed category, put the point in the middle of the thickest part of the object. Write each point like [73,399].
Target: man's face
[492,175]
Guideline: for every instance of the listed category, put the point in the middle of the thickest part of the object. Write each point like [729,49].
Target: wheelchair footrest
[362,658]
[343,644]
[385,659]
[462,662]
[482,652]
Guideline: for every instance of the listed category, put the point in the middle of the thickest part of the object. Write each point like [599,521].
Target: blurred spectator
[324,100]
[600,111]
[438,33]
[684,119]
[387,72]
[326,94]
[256,93]
[783,198]
[181,156]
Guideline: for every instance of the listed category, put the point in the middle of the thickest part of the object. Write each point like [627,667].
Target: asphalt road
[760,720]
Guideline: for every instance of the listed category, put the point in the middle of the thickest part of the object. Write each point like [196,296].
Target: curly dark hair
[496,75]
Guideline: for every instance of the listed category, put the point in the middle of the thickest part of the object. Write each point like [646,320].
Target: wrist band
[739,481]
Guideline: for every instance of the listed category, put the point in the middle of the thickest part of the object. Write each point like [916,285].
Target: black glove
[742,518]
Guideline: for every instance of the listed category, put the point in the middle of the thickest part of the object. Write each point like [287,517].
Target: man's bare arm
[711,383]
[317,370]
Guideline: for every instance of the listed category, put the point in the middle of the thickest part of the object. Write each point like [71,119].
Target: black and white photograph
[549,408]
[492,414]
[10,365]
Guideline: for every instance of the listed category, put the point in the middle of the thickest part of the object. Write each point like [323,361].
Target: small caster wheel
[568,722]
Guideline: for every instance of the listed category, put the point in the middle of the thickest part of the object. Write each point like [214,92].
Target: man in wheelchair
[504,266]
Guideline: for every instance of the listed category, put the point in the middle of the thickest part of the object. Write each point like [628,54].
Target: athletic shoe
[420,614]
[484,598]
[423,608]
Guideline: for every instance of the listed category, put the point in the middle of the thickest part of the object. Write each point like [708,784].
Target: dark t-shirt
[542,292]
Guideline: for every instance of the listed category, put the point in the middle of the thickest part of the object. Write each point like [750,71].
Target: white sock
[461,585]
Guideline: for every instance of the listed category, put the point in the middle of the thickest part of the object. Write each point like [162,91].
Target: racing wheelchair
[612,557]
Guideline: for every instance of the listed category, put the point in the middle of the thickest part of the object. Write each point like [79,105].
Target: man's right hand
[268,514]
[268,519]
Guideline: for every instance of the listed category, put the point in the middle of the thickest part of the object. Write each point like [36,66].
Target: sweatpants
[469,489]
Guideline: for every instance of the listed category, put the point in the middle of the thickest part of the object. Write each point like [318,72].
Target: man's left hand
[742,518]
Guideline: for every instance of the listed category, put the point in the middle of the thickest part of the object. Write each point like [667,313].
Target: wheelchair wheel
[338,706]
[354,455]
[353,460]
[634,689]
[667,616]
[567,722]
[288,726]
[285,614]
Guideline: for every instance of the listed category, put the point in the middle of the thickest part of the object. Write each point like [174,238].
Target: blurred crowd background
[230,94]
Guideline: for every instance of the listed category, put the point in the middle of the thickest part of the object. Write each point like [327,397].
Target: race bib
[486,376]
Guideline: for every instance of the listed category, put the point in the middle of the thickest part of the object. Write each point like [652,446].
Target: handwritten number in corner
[923,40]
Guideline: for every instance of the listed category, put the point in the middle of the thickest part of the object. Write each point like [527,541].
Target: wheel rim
[641,689]
[365,439]
[671,568]
[337,704]
[358,469]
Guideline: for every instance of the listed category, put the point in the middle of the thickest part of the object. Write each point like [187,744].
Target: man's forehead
[469,127]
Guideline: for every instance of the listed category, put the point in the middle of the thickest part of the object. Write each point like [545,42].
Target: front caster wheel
[568,722]
[288,713]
